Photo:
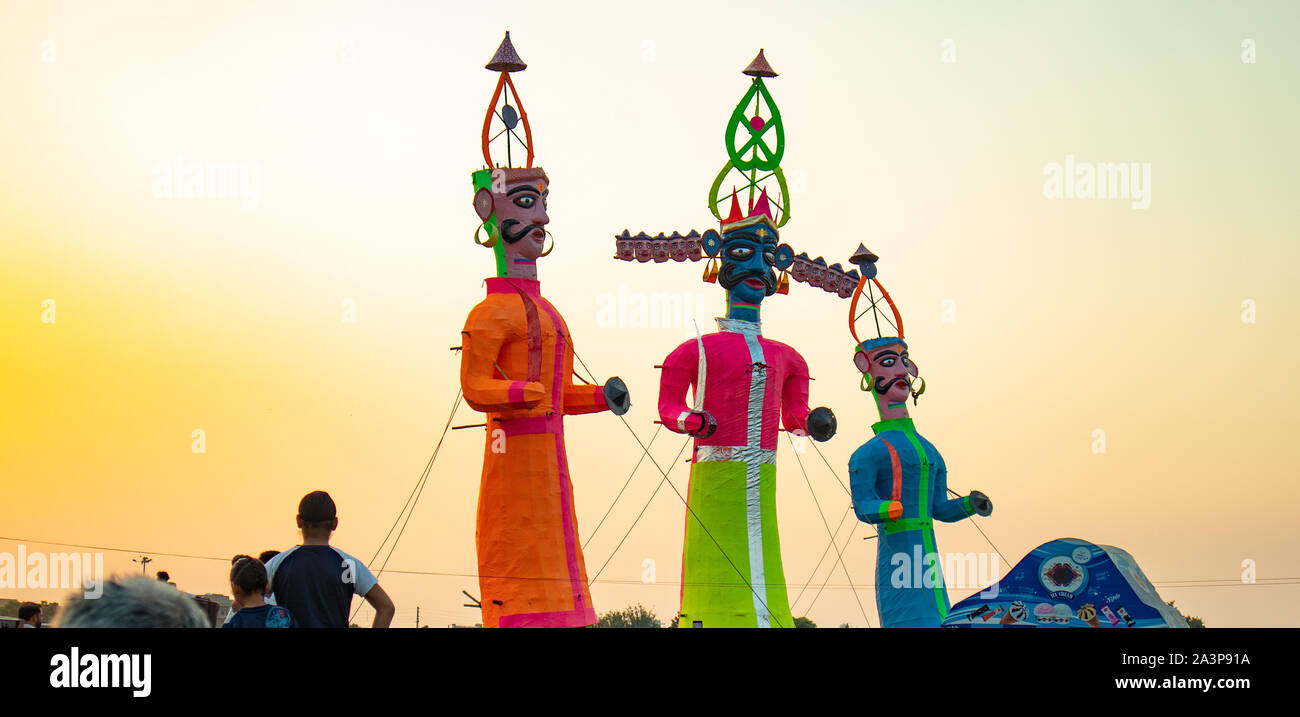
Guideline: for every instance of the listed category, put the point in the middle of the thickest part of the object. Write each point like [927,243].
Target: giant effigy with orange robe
[517,367]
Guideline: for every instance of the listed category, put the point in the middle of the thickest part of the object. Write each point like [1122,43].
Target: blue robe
[899,464]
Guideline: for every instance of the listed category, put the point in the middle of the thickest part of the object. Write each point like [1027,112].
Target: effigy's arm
[481,381]
[795,416]
[950,510]
[794,396]
[865,471]
[678,375]
[583,398]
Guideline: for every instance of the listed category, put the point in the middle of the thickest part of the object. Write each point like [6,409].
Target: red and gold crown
[760,212]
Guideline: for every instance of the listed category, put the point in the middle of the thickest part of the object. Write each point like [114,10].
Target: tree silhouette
[1192,620]
[632,616]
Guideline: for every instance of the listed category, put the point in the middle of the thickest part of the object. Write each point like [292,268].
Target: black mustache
[512,235]
[882,386]
[730,278]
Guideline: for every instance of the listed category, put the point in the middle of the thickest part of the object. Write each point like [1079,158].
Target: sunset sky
[924,130]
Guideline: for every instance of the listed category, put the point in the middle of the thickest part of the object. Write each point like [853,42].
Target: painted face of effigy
[890,368]
[677,249]
[748,263]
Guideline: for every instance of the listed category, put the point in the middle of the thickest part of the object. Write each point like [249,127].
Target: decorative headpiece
[866,260]
[506,61]
[755,163]
[495,174]
[762,157]
[875,333]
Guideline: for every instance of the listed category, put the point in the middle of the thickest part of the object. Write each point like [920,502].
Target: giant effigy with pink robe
[735,390]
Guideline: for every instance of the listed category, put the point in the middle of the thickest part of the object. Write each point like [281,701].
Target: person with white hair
[134,603]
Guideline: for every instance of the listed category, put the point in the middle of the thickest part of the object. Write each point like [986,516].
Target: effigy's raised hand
[821,424]
[616,396]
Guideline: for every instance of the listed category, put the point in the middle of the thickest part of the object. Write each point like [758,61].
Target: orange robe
[531,571]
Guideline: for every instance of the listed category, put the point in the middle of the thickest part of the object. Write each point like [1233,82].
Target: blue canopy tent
[1069,583]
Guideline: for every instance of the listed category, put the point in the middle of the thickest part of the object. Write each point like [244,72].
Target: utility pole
[417,615]
[144,561]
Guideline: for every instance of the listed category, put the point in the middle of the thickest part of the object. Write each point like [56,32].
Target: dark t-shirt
[316,583]
[263,616]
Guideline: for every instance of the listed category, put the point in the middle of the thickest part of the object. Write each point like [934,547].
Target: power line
[1202,582]
[822,558]
[852,528]
[423,482]
[412,501]
[643,510]
[625,485]
[981,530]
[115,550]
[699,522]
[455,404]
[680,497]
[950,490]
[847,492]
[839,555]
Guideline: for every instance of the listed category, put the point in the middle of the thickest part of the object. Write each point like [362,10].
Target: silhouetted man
[315,580]
[29,615]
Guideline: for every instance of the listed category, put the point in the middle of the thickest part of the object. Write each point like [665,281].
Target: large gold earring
[916,392]
[711,271]
[492,239]
[783,283]
[866,384]
[548,251]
